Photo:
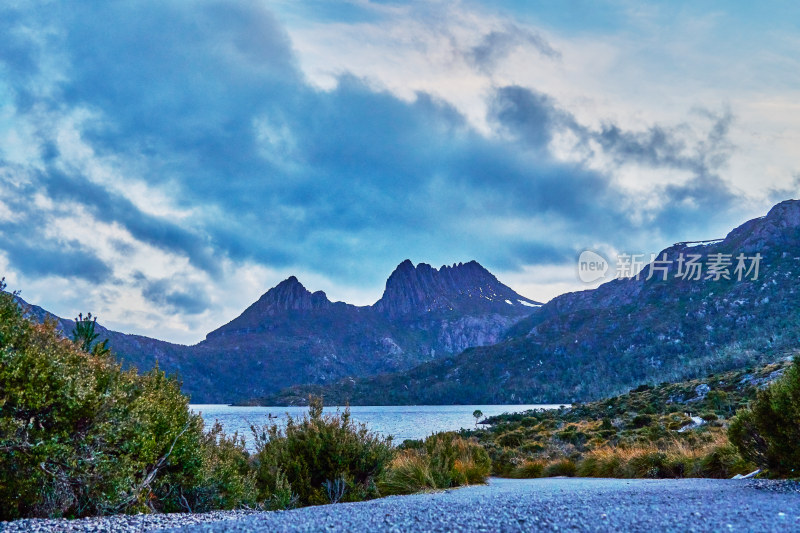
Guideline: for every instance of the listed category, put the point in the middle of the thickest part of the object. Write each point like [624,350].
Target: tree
[84,336]
[477,413]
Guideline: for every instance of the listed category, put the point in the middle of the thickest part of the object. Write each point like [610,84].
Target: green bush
[79,436]
[768,433]
[318,450]
[651,464]
[226,480]
[512,439]
[640,421]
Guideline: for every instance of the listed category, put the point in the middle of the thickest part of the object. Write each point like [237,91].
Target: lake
[400,421]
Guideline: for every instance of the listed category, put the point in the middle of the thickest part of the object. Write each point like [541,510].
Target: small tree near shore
[477,413]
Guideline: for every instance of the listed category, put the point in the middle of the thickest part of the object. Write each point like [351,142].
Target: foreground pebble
[121,523]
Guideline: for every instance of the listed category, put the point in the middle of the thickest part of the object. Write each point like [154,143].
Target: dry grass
[407,473]
[444,460]
[714,457]
[676,458]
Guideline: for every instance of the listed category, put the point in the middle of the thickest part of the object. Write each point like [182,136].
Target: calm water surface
[400,421]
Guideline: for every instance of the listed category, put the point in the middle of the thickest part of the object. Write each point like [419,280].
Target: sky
[164,163]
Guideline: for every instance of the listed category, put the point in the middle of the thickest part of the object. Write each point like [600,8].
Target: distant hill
[293,336]
[596,343]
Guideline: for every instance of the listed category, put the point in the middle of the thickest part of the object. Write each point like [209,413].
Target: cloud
[498,44]
[529,116]
[65,259]
[173,295]
[664,147]
[191,146]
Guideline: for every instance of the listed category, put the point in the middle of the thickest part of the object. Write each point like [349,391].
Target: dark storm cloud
[705,197]
[207,100]
[529,116]
[662,147]
[498,44]
[779,194]
[174,295]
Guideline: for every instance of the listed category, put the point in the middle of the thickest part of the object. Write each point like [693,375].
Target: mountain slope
[293,336]
[595,343]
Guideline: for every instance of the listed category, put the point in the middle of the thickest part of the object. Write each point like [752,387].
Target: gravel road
[554,504]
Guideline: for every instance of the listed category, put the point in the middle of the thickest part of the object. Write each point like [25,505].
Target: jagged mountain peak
[291,295]
[422,288]
[411,290]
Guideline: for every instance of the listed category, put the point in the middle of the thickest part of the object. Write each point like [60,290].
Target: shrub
[317,450]
[562,467]
[456,461]
[722,461]
[648,464]
[512,439]
[444,460]
[411,444]
[640,421]
[715,458]
[504,460]
[79,436]
[226,479]
[768,433]
[529,469]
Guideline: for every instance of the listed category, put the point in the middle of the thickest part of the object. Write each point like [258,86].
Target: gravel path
[120,523]
[554,504]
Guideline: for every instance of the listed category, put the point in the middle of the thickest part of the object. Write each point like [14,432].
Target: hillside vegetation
[669,430]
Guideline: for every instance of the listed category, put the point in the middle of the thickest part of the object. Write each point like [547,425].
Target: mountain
[596,343]
[292,336]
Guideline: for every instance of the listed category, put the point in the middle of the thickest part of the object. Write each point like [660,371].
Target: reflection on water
[400,421]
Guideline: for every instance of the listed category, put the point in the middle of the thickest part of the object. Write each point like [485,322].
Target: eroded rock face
[468,332]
